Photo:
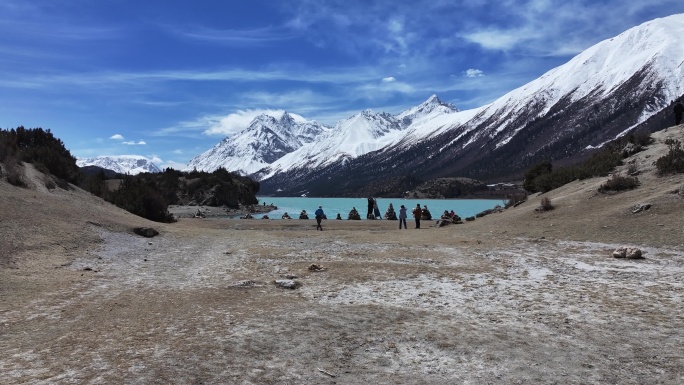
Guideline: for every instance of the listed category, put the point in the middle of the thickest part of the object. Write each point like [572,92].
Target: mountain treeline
[146,195]
[543,177]
[150,194]
[39,147]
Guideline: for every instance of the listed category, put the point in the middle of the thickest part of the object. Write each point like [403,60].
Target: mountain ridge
[121,164]
[619,85]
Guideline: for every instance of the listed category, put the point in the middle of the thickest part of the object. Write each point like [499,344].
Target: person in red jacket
[417,213]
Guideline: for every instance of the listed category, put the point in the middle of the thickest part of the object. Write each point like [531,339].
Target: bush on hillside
[13,172]
[673,161]
[619,183]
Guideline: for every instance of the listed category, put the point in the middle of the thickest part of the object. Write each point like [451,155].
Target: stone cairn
[354,215]
[425,214]
[390,215]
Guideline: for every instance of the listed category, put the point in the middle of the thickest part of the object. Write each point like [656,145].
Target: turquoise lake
[333,206]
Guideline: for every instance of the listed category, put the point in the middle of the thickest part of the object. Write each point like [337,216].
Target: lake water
[332,206]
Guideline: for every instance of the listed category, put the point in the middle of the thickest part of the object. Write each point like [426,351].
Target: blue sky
[169,79]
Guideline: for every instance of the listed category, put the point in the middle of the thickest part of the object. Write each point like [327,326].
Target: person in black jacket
[678,110]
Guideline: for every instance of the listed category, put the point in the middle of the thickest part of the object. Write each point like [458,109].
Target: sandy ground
[518,297]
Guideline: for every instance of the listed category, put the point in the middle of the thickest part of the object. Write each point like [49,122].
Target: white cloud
[155,159]
[134,143]
[389,79]
[178,151]
[497,39]
[473,73]
[117,137]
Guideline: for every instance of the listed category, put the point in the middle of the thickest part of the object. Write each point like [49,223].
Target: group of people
[374,213]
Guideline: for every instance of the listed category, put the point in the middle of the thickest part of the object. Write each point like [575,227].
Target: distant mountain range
[619,86]
[121,164]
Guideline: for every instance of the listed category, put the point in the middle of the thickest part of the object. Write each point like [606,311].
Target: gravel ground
[519,297]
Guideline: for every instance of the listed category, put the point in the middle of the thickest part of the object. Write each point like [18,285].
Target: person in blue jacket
[402,217]
[319,216]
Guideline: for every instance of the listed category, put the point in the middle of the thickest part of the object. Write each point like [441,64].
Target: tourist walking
[319,216]
[678,110]
[417,213]
[402,217]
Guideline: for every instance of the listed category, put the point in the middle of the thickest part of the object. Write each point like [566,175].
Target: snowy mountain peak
[429,109]
[122,164]
[287,120]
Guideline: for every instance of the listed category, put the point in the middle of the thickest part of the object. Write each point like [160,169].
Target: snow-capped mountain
[620,85]
[122,164]
[265,140]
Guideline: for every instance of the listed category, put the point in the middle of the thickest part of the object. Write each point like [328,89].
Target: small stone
[287,284]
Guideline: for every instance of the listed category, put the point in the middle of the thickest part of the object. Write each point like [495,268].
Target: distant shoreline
[186,211]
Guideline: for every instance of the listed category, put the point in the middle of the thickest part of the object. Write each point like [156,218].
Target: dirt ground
[518,297]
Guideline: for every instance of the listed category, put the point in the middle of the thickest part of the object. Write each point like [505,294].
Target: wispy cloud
[134,143]
[116,137]
[233,37]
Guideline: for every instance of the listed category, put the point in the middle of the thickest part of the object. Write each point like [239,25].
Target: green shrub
[673,161]
[619,183]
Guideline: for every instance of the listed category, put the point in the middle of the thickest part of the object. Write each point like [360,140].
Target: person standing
[376,209]
[402,217]
[678,110]
[417,213]
[369,215]
[319,217]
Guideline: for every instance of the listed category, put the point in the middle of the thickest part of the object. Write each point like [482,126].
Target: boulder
[641,207]
[147,232]
[627,252]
